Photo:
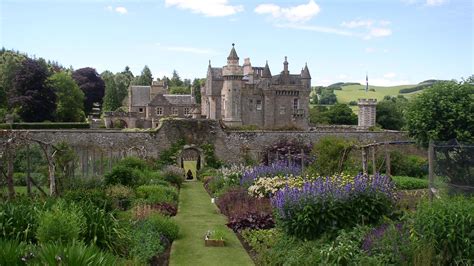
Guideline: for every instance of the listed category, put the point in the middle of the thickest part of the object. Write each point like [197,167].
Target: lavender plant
[330,204]
[280,168]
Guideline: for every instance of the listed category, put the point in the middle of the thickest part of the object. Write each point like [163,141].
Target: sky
[393,41]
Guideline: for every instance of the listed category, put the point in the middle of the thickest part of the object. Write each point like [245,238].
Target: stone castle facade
[246,95]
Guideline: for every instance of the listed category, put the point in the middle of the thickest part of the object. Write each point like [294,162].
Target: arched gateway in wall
[191,159]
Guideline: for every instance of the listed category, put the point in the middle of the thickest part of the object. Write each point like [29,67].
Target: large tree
[110,97]
[32,99]
[443,112]
[122,81]
[389,113]
[70,98]
[91,84]
[145,78]
[341,114]
[10,61]
[176,80]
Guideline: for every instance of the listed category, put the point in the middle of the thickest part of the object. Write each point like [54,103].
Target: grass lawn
[354,92]
[197,215]
[22,190]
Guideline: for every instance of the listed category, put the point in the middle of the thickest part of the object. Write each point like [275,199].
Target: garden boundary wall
[230,146]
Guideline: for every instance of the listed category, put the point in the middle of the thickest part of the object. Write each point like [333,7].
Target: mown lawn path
[196,215]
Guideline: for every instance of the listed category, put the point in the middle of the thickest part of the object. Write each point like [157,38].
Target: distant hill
[351,91]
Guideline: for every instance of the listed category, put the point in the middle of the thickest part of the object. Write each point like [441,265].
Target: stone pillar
[367,108]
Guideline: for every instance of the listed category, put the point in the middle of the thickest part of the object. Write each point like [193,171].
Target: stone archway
[191,159]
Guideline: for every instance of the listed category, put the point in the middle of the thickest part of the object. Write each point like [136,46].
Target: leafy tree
[122,81]
[318,115]
[341,114]
[33,100]
[176,80]
[180,90]
[389,114]
[443,112]
[10,61]
[128,73]
[91,84]
[70,98]
[110,97]
[197,84]
[327,97]
[145,78]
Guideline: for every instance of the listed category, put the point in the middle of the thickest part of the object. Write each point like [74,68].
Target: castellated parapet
[367,111]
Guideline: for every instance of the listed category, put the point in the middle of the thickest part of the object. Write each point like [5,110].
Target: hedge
[45,126]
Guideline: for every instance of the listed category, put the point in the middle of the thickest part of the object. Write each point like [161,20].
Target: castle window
[140,110]
[282,110]
[296,104]
[159,111]
[174,111]
[259,105]
[187,110]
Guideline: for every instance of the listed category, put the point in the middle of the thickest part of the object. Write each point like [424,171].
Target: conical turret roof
[266,71]
[305,72]
[233,54]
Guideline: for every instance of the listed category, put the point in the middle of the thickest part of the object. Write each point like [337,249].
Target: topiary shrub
[64,223]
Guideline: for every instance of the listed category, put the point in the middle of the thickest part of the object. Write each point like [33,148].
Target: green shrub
[169,156]
[104,230]
[449,225]
[157,194]
[134,163]
[149,177]
[12,252]
[123,175]
[406,165]
[406,182]
[165,225]
[146,242]
[19,218]
[211,159]
[74,254]
[262,241]
[174,175]
[95,196]
[331,156]
[63,223]
[121,196]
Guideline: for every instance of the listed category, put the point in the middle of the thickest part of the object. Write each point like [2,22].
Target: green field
[354,92]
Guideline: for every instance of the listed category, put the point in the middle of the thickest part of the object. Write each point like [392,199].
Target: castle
[246,95]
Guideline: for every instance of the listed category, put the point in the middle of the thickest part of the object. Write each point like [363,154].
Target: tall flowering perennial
[280,168]
[329,204]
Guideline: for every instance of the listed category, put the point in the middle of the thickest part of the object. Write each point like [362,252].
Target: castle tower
[266,71]
[232,74]
[306,77]
[367,109]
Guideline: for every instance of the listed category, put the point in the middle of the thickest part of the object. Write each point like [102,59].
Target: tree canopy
[31,98]
[70,98]
[389,113]
[91,84]
[443,112]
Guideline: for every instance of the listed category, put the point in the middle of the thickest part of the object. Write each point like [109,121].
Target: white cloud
[316,28]
[209,8]
[435,2]
[121,10]
[357,23]
[390,75]
[379,32]
[299,13]
[188,49]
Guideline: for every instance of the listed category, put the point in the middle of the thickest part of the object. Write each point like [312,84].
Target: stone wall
[229,145]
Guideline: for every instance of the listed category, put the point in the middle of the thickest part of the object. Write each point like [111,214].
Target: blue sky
[395,41]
